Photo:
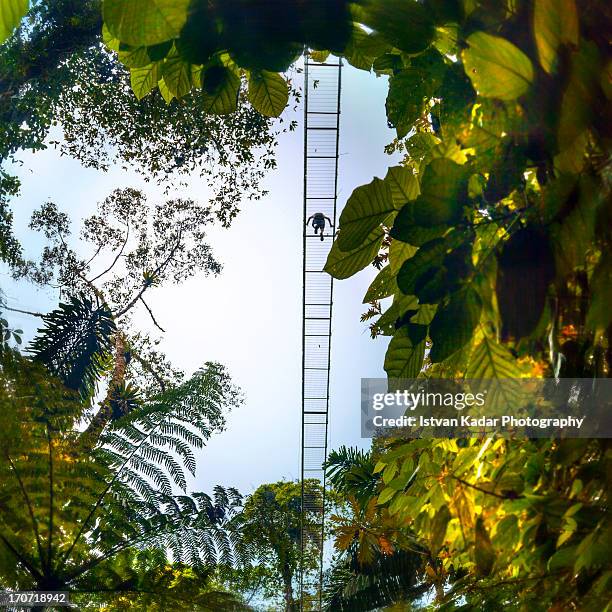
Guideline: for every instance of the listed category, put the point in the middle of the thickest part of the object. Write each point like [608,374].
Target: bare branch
[151,315]
[145,286]
[28,312]
[127,235]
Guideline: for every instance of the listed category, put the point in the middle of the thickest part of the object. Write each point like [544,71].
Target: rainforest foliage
[492,238]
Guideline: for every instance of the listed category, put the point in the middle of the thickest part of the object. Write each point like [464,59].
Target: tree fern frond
[75,342]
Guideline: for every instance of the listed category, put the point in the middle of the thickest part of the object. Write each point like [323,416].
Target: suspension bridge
[322,88]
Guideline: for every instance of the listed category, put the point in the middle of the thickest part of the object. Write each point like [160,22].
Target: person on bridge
[318,222]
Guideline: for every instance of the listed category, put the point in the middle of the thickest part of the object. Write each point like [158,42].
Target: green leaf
[406,230]
[134,57]
[401,305]
[386,494]
[438,529]
[364,48]
[497,68]
[443,193]
[555,23]
[492,360]
[484,555]
[399,252]
[563,558]
[11,14]
[425,314]
[382,286]
[220,89]
[145,22]
[406,99]
[268,92]
[403,184]
[404,359]
[453,325]
[319,56]
[407,25]
[145,79]
[177,74]
[343,264]
[368,207]
[430,254]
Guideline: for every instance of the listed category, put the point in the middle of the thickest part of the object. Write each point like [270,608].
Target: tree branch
[145,286]
[498,495]
[28,312]
[151,315]
[127,235]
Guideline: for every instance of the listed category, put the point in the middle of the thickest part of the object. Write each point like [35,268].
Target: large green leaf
[492,360]
[493,368]
[443,193]
[555,23]
[382,286]
[454,323]
[145,79]
[403,184]
[406,229]
[220,89]
[363,48]
[343,264]
[404,358]
[403,307]
[430,255]
[408,25]
[406,99]
[497,68]
[368,207]
[11,14]
[399,252]
[145,22]
[177,75]
[268,92]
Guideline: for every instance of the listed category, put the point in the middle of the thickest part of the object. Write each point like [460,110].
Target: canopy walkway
[322,86]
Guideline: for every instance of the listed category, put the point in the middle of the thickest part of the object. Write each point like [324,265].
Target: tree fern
[75,342]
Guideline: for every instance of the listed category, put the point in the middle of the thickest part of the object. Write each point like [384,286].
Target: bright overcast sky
[248,318]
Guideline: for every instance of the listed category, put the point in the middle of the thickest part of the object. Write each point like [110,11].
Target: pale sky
[249,317]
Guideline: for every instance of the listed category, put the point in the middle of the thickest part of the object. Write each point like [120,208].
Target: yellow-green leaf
[368,207]
[404,358]
[177,76]
[220,89]
[167,95]
[555,22]
[403,184]
[382,286]
[496,67]
[11,14]
[268,92]
[386,494]
[145,22]
[144,80]
[342,264]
